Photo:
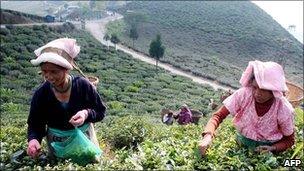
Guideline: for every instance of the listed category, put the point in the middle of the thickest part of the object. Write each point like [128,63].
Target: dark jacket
[47,111]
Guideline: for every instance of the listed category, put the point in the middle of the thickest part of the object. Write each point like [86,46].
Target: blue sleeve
[36,124]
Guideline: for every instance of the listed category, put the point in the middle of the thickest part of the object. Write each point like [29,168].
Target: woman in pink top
[261,114]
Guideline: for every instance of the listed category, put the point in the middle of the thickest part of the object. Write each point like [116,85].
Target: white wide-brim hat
[52,58]
[60,51]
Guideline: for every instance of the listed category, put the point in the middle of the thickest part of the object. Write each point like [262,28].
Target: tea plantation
[131,136]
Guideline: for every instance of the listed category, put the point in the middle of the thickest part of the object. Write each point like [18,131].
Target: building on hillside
[49,18]
[72,8]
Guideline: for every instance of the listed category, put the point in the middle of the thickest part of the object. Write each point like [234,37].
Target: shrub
[36,27]
[132,89]
[116,105]
[32,47]
[108,94]
[4,31]
[10,26]
[11,108]
[127,131]
[14,73]
[4,71]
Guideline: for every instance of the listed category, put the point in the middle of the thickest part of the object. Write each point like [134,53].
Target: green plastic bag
[77,147]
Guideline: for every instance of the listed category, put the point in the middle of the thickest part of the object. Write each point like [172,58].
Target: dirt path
[97,29]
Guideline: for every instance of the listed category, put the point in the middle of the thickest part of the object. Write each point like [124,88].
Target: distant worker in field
[184,116]
[168,118]
[212,104]
[261,114]
[225,95]
[63,102]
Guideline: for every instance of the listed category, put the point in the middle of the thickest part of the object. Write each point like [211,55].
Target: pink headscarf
[268,75]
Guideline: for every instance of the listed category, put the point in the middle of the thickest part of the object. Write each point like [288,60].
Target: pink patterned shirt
[272,126]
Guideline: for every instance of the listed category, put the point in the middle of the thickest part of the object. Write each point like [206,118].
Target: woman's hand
[265,148]
[79,118]
[33,148]
[204,144]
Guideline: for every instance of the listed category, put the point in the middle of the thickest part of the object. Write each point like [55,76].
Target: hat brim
[52,58]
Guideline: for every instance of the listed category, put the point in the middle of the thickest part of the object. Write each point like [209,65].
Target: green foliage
[114,39]
[195,32]
[132,89]
[135,18]
[131,135]
[116,105]
[16,17]
[127,132]
[11,108]
[157,50]
[106,37]
[4,32]
[133,33]
[115,27]
[299,122]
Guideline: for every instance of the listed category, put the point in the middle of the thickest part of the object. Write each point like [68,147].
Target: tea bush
[213,39]
[131,135]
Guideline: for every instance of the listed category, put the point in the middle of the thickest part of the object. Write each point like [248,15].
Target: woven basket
[294,94]
[93,80]
[163,112]
[196,116]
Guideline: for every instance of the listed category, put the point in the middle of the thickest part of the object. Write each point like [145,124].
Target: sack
[76,147]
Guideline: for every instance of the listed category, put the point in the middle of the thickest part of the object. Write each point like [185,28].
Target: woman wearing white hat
[62,102]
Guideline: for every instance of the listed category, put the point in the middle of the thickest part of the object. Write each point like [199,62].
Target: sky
[285,13]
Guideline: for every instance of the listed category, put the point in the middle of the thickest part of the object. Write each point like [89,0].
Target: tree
[92,4]
[135,18]
[115,40]
[107,37]
[284,52]
[50,11]
[133,33]
[157,50]
[66,6]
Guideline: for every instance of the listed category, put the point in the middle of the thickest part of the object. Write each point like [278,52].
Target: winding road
[97,29]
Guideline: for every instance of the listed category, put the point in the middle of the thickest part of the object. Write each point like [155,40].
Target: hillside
[15,17]
[134,94]
[125,82]
[40,8]
[129,87]
[215,39]
[43,8]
